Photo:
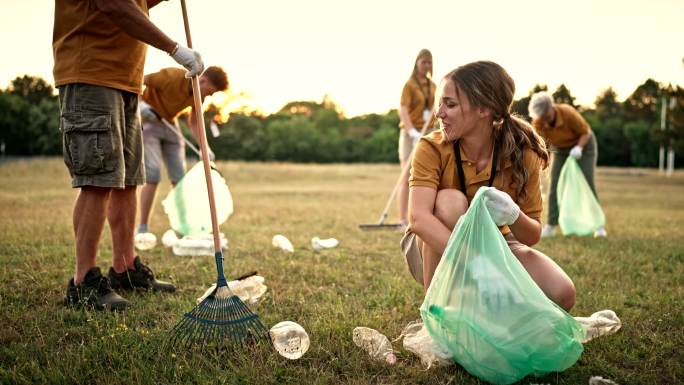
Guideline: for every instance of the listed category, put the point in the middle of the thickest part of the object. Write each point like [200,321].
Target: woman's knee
[565,296]
[450,204]
[553,281]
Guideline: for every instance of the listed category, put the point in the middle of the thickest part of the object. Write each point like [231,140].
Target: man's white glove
[576,152]
[501,207]
[146,113]
[190,59]
[414,134]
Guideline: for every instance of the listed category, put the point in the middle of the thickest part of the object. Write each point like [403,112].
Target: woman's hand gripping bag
[579,211]
[484,308]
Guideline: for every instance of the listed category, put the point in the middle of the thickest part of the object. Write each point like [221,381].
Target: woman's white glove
[501,207]
[576,152]
[414,134]
[190,59]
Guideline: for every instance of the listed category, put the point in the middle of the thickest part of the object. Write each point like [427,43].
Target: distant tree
[520,106]
[607,105]
[643,102]
[563,95]
[32,89]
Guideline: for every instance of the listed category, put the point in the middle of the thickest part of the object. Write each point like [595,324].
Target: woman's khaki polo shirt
[433,165]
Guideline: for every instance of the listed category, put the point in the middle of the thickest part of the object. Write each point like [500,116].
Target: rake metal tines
[220,319]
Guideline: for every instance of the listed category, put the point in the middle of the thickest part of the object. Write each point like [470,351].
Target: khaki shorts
[101,136]
[163,145]
[411,248]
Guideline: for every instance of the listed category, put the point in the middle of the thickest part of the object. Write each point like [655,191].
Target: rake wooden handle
[197,107]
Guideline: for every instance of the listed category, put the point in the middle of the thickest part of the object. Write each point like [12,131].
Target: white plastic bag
[604,322]
[281,242]
[248,290]
[417,340]
[192,245]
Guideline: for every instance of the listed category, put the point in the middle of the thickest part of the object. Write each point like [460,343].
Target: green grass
[638,272]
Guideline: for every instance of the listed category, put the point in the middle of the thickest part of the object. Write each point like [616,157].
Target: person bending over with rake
[480,143]
[567,134]
[99,49]
[167,93]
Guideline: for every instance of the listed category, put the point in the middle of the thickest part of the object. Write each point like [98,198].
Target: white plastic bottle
[375,343]
[289,339]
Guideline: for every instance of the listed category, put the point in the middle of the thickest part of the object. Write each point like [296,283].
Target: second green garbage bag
[187,205]
[579,210]
[484,308]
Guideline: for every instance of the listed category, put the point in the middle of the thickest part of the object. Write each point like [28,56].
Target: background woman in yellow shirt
[415,112]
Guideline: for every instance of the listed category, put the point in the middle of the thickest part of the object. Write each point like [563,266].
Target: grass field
[638,272]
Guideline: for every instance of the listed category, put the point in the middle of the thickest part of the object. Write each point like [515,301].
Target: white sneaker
[600,233]
[548,231]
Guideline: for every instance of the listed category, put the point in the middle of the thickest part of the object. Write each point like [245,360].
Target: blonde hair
[540,104]
[487,84]
[424,53]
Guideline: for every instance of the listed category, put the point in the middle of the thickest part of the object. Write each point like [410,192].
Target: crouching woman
[480,144]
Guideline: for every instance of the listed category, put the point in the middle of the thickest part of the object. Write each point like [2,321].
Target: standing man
[167,93]
[567,134]
[99,51]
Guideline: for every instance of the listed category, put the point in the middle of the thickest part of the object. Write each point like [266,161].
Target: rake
[221,318]
[404,172]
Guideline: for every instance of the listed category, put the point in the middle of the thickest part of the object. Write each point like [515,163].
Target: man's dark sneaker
[140,278]
[94,292]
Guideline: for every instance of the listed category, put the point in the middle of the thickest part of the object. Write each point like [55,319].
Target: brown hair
[217,77]
[487,84]
[423,53]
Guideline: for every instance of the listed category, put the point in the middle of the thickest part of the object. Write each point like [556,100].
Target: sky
[360,52]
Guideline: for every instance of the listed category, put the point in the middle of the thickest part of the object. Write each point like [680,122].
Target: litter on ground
[192,245]
[281,242]
[248,290]
[319,244]
[604,322]
[289,339]
[375,343]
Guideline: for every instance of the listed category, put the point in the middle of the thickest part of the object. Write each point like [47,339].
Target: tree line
[628,132]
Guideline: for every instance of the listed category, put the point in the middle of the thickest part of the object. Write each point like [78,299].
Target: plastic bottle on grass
[289,339]
[375,343]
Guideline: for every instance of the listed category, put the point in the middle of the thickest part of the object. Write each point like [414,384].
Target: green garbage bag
[484,308]
[187,205]
[579,210]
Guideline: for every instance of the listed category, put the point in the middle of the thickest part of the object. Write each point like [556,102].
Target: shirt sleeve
[425,162]
[532,206]
[406,95]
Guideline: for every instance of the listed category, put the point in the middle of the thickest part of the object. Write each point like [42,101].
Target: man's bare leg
[121,217]
[88,218]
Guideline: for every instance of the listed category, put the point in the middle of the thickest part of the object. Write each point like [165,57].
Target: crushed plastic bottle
[604,322]
[375,343]
[281,242]
[192,245]
[598,380]
[145,241]
[289,339]
[320,244]
[248,290]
